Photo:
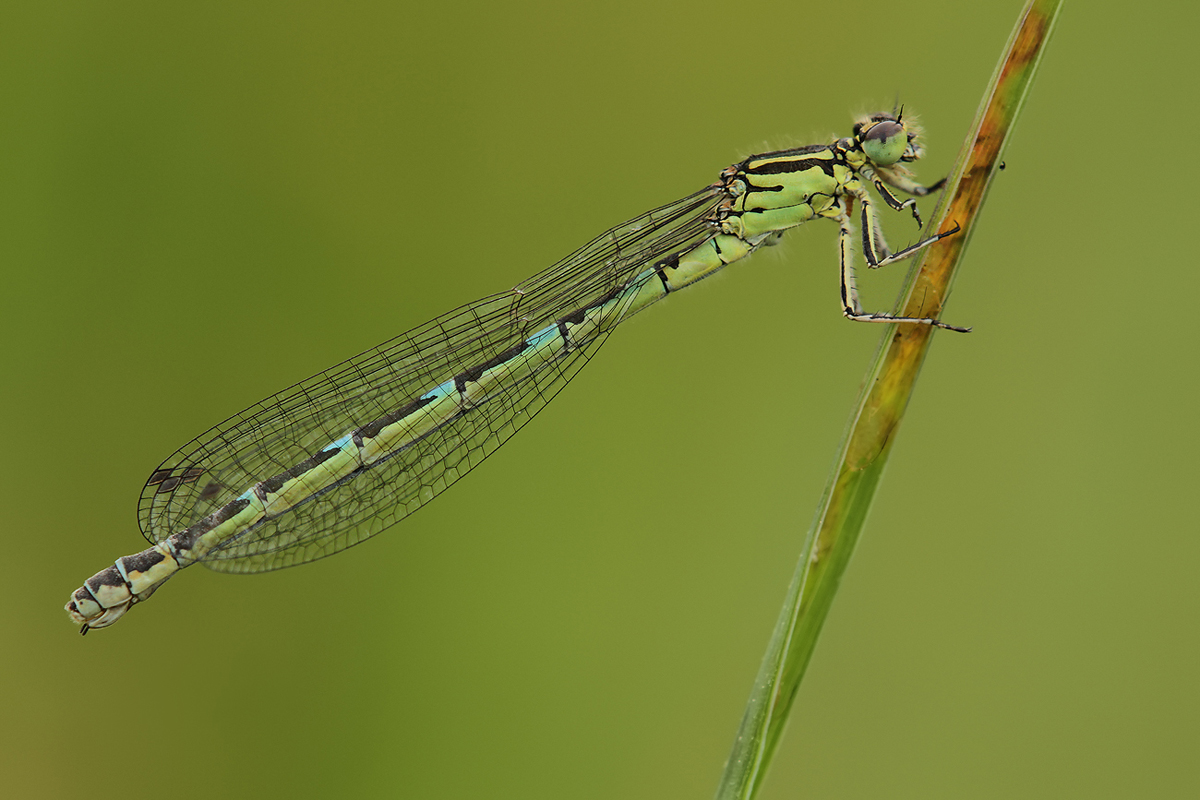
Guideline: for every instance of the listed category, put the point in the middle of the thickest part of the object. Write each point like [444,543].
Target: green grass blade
[865,449]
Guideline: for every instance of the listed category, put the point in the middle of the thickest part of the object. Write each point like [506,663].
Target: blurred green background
[203,204]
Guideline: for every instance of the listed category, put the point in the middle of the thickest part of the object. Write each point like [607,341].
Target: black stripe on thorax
[789,165]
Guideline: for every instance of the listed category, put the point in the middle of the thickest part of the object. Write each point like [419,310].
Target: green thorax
[776,191]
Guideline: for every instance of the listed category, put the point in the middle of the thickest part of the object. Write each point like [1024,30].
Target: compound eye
[885,142]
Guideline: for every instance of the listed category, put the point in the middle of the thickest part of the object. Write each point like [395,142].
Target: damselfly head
[887,139]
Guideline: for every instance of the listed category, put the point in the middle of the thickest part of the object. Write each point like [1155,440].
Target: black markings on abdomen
[474,373]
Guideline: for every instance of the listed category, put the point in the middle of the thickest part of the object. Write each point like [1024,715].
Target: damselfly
[341,456]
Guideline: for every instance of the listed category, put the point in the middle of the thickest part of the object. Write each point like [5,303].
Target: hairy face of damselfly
[886,139]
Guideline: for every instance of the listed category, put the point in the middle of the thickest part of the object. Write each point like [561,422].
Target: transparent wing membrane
[284,430]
